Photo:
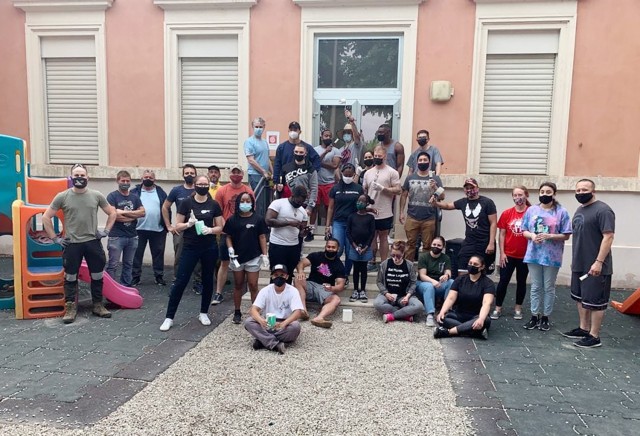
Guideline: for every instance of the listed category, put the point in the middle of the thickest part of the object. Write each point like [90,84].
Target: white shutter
[516,119]
[71,110]
[209,111]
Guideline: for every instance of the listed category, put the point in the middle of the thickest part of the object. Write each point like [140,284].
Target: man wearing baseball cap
[281,300]
[284,154]
[481,223]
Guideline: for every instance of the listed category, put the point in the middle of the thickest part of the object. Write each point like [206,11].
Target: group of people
[220,227]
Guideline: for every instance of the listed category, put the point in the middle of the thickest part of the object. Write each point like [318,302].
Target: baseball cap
[470,181]
[280,267]
[236,167]
[294,125]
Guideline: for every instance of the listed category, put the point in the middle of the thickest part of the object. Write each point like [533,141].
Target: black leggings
[464,323]
[522,270]
[359,275]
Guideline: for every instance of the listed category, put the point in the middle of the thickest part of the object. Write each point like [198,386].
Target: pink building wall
[14,106]
[605,108]
[135,83]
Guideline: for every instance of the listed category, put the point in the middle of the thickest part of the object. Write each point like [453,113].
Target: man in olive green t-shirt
[79,206]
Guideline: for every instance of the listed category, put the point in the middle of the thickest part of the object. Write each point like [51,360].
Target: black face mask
[327,142]
[422,141]
[148,183]
[423,166]
[368,162]
[189,179]
[279,281]
[201,190]
[377,161]
[299,157]
[584,197]
[80,182]
[546,199]
[330,254]
[473,269]
[295,204]
[381,138]
[436,250]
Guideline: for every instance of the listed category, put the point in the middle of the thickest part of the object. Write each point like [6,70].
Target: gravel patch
[357,379]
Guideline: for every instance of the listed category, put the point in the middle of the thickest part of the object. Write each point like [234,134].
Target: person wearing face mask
[420,219]
[150,228]
[594,225]
[79,206]
[393,148]
[465,311]
[367,164]
[330,162]
[246,244]
[177,195]
[352,150]
[434,276]
[481,223]
[300,172]
[397,284]
[326,279]
[284,154]
[226,198]
[288,221]
[513,246]
[435,158]
[123,239]
[282,300]
[546,226]
[199,218]
[259,167]
[361,229]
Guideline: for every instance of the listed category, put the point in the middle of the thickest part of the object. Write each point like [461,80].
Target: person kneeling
[281,300]
[397,284]
[471,297]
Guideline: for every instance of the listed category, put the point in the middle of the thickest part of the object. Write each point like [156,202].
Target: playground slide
[123,296]
[630,306]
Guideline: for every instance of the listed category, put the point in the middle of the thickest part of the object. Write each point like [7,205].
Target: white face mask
[347,180]
[293,135]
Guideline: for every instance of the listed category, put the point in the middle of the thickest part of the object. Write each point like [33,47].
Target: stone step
[344,300]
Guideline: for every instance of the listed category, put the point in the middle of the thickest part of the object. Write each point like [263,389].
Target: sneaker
[389,240]
[430,320]
[135,281]
[372,267]
[100,310]
[576,333]
[70,312]
[237,318]
[517,314]
[588,342]
[279,348]
[440,332]
[197,288]
[388,317]
[544,324]
[204,319]
[532,324]
[308,238]
[495,314]
[346,282]
[362,297]
[355,296]
[484,334]
[217,299]
[257,345]
[160,281]
[166,325]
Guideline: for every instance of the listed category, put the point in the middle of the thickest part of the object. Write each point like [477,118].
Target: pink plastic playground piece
[123,296]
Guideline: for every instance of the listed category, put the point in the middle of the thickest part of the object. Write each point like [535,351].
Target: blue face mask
[257,131]
[347,137]
[245,207]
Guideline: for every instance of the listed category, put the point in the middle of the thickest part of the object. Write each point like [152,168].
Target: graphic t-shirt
[476,218]
[287,235]
[435,266]
[124,202]
[397,278]
[420,192]
[80,213]
[589,223]
[515,244]
[325,270]
[282,305]
[553,221]
[345,196]
[470,293]
[178,194]
[205,212]
[226,198]
[387,177]
[245,234]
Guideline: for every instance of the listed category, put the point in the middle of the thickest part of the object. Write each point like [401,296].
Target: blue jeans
[429,293]
[543,288]
[339,232]
[125,247]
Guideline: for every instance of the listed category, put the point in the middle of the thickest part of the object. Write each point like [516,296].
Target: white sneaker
[204,319]
[166,325]
[430,321]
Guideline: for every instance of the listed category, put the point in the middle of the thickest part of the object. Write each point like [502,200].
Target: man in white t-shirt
[282,300]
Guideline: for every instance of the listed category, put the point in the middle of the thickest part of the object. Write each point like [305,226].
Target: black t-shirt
[245,233]
[361,229]
[124,202]
[476,218]
[470,293]
[397,278]
[205,212]
[345,198]
[324,270]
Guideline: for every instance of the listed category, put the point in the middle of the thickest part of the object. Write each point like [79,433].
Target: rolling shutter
[209,111]
[516,119]
[72,110]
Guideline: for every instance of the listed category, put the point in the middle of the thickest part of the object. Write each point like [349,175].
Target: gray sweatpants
[270,339]
[414,307]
